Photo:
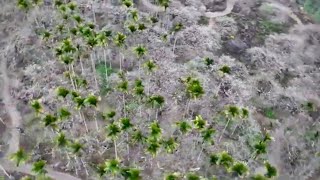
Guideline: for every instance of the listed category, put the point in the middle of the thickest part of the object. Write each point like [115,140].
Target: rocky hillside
[159,89]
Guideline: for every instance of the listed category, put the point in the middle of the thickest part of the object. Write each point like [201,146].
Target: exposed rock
[216,5]
[236,46]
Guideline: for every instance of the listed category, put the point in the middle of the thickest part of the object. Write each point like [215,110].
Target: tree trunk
[81,65]
[224,129]
[94,71]
[115,148]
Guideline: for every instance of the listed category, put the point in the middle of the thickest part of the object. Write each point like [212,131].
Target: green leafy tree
[240,168]
[138,137]
[19,157]
[24,5]
[184,127]
[123,86]
[57,3]
[134,15]
[155,130]
[267,137]
[214,159]
[244,113]
[164,3]
[119,40]
[112,167]
[199,122]
[36,106]
[142,27]
[62,92]
[258,177]
[154,19]
[46,35]
[125,124]
[150,66]
[260,148]
[79,101]
[76,147]
[140,50]
[37,2]
[170,145]
[39,167]
[109,115]
[208,61]
[225,69]
[77,18]
[26,178]
[101,170]
[231,112]
[127,3]
[271,170]
[153,146]
[174,30]
[193,176]
[177,27]
[207,135]
[92,100]
[156,101]
[63,113]
[113,131]
[172,176]
[132,28]
[194,88]
[138,88]
[50,121]
[61,141]
[131,174]
[225,159]
[72,5]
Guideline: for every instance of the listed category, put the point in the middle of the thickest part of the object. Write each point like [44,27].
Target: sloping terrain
[243,76]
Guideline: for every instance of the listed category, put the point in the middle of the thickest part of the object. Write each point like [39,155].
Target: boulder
[216,5]
[236,46]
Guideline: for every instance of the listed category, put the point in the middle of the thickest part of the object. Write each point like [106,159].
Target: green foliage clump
[240,168]
[104,72]
[203,20]
[312,7]
[225,69]
[268,27]
[19,157]
[271,170]
[269,113]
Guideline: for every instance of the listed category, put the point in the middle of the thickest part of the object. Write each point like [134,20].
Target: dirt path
[151,6]
[285,9]
[10,108]
[26,168]
[230,5]
[15,117]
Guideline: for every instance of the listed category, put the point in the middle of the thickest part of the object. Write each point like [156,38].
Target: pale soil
[14,142]
[274,156]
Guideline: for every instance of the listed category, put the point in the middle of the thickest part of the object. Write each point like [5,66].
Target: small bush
[203,21]
[269,113]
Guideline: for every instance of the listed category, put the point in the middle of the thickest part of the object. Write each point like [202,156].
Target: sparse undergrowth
[113,113]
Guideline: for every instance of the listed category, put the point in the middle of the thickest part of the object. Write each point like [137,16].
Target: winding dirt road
[155,8]
[15,117]
[285,9]
[228,10]
[151,7]
[13,113]
[230,5]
